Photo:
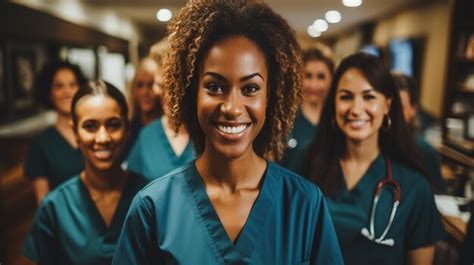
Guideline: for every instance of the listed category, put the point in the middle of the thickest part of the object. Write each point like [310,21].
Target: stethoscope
[388,181]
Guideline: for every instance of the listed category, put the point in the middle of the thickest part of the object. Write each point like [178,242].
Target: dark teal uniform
[51,156]
[299,141]
[432,163]
[152,155]
[172,221]
[68,228]
[417,222]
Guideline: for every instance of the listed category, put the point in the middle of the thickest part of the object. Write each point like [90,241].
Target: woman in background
[237,95]
[53,155]
[409,98]
[145,97]
[80,221]
[362,140]
[318,69]
[159,149]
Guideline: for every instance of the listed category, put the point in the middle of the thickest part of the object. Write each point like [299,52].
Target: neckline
[63,139]
[375,170]
[168,146]
[253,226]
[94,211]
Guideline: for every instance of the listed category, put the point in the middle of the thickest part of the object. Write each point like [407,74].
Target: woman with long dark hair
[365,162]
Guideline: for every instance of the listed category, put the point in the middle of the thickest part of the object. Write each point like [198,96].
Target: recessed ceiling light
[313,32]
[164,15]
[320,25]
[333,16]
[352,3]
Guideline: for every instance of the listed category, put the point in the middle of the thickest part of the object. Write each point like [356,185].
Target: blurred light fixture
[352,3]
[333,16]
[164,15]
[313,32]
[320,25]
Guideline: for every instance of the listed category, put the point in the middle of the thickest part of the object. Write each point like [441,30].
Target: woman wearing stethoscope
[364,161]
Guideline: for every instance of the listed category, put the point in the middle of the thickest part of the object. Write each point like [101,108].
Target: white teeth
[357,122]
[232,129]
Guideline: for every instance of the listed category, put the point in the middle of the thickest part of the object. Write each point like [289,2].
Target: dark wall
[23,23]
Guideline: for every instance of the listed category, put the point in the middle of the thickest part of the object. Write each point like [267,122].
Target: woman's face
[360,109]
[101,131]
[63,88]
[232,96]
[147,94]
[316,82]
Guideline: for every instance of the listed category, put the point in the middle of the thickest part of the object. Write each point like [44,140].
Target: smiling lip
[103,154]
[357,124]
[232,130]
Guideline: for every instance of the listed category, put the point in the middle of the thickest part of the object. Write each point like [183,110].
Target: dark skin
[231,105]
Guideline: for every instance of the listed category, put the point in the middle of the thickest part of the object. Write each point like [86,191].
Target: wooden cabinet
[458,113]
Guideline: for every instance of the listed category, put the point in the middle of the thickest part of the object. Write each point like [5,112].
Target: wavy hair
[192,33]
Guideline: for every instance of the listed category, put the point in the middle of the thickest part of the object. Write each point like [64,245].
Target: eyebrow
[222,78]
[348,91]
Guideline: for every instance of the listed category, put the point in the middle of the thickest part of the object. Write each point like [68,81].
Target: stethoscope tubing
[387,181]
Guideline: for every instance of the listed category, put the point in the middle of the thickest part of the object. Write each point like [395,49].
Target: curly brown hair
[192,33]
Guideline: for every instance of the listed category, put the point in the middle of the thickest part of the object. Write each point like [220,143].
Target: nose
[232,106]
[357,106]
[102,136]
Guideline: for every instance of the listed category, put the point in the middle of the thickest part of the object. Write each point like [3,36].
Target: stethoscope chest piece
[388,181]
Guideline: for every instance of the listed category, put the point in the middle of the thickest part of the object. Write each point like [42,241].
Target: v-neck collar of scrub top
[253,226]
[60,136]
[375,172]
[167,145]
[120,211]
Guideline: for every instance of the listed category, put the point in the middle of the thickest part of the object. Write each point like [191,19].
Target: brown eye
[321,76]
[90,126]
[214,88]
[250,89]
[114,124]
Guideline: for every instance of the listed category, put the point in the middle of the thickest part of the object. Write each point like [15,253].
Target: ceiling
[140,14]
[299,13]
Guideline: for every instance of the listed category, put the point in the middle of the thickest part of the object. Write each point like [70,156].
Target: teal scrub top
[172,221]
[152,155]
[417,222]
[51,156]
[68,228]
[432,162]
[299,141]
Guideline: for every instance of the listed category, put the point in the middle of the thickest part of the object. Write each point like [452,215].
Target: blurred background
[430,40]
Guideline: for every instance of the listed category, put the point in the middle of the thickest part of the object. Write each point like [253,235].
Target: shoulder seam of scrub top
[171,174]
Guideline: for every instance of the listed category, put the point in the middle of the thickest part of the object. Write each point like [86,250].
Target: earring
[386,123]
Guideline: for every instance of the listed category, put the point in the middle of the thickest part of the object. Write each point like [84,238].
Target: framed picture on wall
[3,94]
[23,71]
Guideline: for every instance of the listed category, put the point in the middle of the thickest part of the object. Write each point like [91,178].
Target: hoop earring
[387,122]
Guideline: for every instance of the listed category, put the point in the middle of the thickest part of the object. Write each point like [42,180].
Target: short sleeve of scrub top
[172,221]
[432,162]
[51,156]
[152,155]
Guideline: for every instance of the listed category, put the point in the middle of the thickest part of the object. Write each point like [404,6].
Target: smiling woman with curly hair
[232,78]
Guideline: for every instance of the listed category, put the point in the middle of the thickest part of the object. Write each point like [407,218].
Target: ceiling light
[352,3]
[320,25]
[313,32]
[333,16]
[164,15]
